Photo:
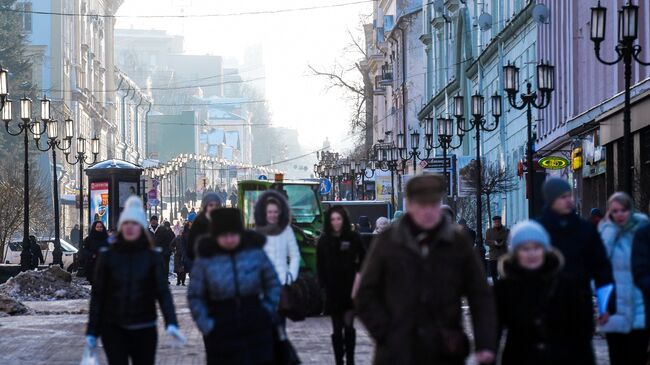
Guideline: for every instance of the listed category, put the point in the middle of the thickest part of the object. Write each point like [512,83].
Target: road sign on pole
[325,186]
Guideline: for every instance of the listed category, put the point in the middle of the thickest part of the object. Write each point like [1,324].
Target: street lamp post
[415,154]
[479,124]
[388,160]
[81,159]
[445,139]
[27,126]
[627,51]
[54,143]
[364,166]
[545,85]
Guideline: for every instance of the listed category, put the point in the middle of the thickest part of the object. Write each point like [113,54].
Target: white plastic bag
[89,356]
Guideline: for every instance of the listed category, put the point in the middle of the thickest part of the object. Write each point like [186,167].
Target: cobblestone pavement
[55,336]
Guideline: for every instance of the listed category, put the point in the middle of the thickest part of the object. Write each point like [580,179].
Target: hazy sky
[291,41]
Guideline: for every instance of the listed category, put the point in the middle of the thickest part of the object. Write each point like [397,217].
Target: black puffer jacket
[641,265]
[200,228]
[541,310]
[129,279]
[584,254]
[163,237]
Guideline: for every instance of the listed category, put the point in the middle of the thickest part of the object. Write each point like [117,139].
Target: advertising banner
[126,189]
[99,202]
[383,188]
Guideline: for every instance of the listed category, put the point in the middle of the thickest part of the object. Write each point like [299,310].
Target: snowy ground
[55,336]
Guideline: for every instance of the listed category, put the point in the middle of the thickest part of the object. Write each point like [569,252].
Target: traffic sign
[153,202]
[325,186]
[152,194]
[438,163]
[262,177]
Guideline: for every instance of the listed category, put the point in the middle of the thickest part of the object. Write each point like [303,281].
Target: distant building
[172,135]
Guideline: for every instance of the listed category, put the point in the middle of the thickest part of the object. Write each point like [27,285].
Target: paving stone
[57,338]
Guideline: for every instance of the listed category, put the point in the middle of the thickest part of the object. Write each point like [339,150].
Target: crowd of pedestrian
[407,289]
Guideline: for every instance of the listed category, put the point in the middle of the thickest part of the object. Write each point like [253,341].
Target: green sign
[553,162]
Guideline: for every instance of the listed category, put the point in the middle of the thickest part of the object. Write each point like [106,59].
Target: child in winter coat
[537,304]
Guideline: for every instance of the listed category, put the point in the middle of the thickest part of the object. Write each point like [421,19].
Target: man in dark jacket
[37,254]
[412,284]
[496,238]
[583,250]
[641,266]
[163,238]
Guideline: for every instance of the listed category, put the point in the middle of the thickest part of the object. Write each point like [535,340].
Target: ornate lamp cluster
[28,125]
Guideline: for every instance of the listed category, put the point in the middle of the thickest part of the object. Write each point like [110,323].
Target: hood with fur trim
[207,245]
[261,224]
[553,264]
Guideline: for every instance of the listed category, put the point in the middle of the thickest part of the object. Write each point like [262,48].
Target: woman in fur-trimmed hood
[273,220]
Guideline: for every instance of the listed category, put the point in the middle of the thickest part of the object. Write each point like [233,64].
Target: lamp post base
[26,256]
[57,255]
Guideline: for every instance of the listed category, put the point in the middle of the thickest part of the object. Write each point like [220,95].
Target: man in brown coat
[412,283]
[496,238]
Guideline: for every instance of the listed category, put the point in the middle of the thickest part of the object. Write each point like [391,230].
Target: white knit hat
[529,231]
[133,212]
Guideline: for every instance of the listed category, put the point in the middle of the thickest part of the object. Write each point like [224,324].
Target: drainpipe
[128,91]
[146,133]
[137,128]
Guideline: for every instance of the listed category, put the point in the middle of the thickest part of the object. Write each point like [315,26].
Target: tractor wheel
[313,297]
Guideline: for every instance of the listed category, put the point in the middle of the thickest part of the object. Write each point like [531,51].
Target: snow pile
[11,307]
[51,284]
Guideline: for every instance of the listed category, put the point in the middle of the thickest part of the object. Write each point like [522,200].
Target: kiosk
[110,184]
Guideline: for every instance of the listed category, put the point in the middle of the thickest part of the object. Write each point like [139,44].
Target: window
[25,10]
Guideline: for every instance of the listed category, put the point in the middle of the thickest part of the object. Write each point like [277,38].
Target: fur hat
[226,220]
[133,212]
[529,231]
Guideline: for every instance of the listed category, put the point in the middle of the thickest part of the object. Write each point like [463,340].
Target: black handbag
[285,353]
[292,304]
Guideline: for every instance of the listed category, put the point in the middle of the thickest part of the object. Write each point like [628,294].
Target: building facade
[72,47]
[585,118]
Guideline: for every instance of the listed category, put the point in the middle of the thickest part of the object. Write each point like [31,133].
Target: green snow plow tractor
[304,201]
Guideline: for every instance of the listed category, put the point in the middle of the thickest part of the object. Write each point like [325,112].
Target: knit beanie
[553,188]
[528,231]
[209,198]
[133,212]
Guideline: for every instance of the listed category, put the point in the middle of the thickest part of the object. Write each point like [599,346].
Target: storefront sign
[553,162]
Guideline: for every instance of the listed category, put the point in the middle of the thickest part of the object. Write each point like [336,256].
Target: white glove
[175,333]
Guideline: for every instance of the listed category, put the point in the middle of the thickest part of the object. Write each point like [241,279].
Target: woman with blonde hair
[626,331]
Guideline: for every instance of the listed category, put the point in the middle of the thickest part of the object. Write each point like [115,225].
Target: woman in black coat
[97,239]
[129,279]
[540,306]
[182,264]
[339,254]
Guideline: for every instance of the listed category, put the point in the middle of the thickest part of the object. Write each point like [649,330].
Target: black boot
[339,351]
[350,342]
